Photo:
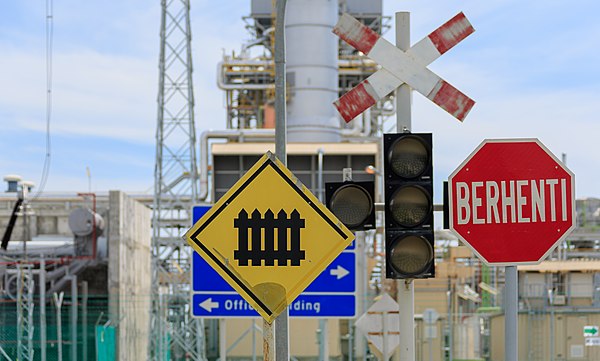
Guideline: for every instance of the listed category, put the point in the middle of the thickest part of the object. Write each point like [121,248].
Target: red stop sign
[512,201]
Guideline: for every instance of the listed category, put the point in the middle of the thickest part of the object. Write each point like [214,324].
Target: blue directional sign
[331,294]
[306,305]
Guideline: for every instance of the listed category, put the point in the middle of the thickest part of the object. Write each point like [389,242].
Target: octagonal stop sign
[512,201]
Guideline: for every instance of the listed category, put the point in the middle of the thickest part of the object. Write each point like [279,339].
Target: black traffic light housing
[408,189]
[352,203]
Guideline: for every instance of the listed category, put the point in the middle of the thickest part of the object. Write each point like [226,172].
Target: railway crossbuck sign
[269,237]
[400,67]
[512,201]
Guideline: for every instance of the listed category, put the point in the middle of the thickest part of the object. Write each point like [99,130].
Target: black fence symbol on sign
[288,248]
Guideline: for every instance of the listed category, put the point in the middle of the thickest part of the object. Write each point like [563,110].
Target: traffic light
[408,188]
[352,203]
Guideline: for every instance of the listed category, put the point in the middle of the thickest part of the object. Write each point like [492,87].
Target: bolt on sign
[269,237]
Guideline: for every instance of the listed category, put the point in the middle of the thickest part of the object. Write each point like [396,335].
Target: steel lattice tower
[174,334]
[25,305]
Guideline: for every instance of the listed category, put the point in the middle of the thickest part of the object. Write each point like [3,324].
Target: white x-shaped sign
[400,67]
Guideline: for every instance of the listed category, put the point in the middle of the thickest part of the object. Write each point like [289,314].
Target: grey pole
[511,330]
[403,93]
[74,297]
[58,299]
[222,340]
[253,340]
[551,299]
[280,326]
[406,291]
[450,324]
[43,309]
[84,315]
[280,111]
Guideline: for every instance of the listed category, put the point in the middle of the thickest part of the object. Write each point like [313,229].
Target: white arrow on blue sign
[331,294]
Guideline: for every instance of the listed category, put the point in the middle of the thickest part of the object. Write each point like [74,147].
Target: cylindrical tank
[81,222]
[312,71]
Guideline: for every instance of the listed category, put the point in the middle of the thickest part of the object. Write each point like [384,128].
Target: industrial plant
[107,275]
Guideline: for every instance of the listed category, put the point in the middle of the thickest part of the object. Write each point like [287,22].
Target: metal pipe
[74,302]
[449,321]
[223,134]
[42,281]
[403,93]
[511,331]
[58,302]
[81,264]
[84,320]
[282,347]
[320,153]
[222,340]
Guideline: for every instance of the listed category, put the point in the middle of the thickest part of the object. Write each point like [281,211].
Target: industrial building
[107,276]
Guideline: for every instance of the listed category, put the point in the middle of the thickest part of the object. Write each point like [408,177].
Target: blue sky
[531,66]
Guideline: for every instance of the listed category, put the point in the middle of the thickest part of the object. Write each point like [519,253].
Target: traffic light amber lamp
[409,206]
[352,203]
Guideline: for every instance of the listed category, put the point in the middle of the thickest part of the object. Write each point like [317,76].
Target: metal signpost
[512,202]
[404,68]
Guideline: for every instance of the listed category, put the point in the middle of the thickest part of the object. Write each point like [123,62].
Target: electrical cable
[49,46]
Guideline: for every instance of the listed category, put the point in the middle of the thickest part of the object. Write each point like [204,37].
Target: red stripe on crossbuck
[352,31]
[354,102]
[451,33]
[451,100]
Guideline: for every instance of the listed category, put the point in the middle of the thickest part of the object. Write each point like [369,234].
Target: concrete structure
[129,269]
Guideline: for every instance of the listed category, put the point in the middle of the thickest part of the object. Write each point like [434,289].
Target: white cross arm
[399,67]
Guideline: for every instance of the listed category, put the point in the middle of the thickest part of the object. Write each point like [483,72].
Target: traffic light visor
[410,206]
[408,157]
[352,204]
[411,255]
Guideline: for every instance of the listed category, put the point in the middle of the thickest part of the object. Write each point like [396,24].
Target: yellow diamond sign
[269,237]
